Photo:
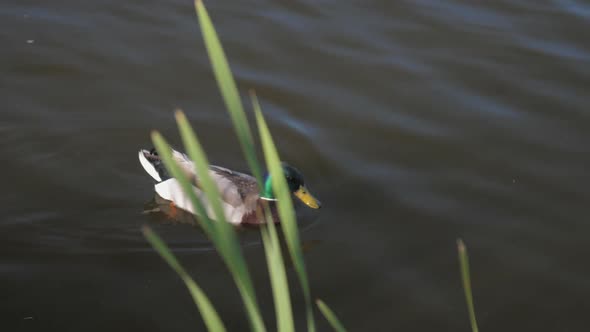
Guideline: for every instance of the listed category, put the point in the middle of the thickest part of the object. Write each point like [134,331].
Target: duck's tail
[153,165]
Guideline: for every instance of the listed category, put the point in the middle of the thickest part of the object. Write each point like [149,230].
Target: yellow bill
[307,198]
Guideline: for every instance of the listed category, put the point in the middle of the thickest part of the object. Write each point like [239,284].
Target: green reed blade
[165,152]
[227,241]
[278,276]
[330,316]
[228,88]
[195,152]
[208,312]
[465,276]
[285,207]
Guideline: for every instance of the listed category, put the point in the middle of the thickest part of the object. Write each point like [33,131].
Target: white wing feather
[171,190]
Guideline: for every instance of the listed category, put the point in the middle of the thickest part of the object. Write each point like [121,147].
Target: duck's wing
[239,194]
[171,190]
[236,189]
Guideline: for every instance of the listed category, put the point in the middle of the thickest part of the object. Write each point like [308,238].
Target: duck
[240,194]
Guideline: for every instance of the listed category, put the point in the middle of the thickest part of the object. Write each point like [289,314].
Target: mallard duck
[239,192]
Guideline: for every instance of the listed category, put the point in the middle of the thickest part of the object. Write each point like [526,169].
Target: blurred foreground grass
[219,231]
[222,233]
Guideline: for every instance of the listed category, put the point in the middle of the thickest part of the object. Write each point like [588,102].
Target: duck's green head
[296,186]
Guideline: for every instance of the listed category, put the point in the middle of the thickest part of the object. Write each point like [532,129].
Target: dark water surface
[415,122]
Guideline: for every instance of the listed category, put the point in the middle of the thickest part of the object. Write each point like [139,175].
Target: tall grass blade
[208,312]
[222,233]
[165,152]
[330,316]
[278,276]
[464,262]
[228,88]
[227,242]
[285,207]
[196,153]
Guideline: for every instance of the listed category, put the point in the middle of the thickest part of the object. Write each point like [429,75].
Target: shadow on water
[161,212]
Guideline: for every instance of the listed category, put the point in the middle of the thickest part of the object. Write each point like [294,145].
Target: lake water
[415,122]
